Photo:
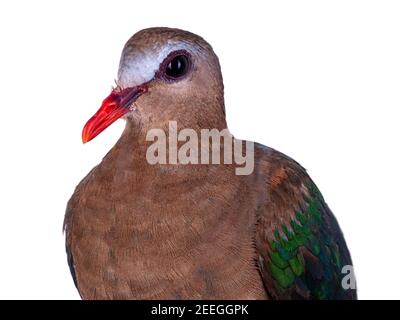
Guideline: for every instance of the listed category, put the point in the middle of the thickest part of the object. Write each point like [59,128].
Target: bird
[140,230]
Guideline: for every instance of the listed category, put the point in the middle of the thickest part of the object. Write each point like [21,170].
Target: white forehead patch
[137,67]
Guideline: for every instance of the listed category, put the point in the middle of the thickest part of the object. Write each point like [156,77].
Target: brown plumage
[173,231]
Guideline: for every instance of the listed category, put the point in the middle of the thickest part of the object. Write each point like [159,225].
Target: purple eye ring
[175,66]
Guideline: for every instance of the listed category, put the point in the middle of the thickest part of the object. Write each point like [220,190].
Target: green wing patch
[287,264]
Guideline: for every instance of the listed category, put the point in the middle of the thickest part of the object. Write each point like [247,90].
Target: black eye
[177,67]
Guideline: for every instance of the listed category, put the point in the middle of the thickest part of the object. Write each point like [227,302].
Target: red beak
[113,107]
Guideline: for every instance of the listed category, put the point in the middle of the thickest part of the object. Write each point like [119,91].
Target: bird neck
[135,149]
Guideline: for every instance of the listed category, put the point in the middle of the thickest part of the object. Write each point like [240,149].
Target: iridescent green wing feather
[302,253]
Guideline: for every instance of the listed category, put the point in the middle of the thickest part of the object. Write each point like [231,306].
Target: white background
[317,80]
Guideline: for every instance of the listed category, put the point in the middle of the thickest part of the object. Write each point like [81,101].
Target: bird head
[164,75]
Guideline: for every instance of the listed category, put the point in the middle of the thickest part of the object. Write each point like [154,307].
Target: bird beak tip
[86,134]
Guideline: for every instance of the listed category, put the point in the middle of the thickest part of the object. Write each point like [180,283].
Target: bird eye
[177,67]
